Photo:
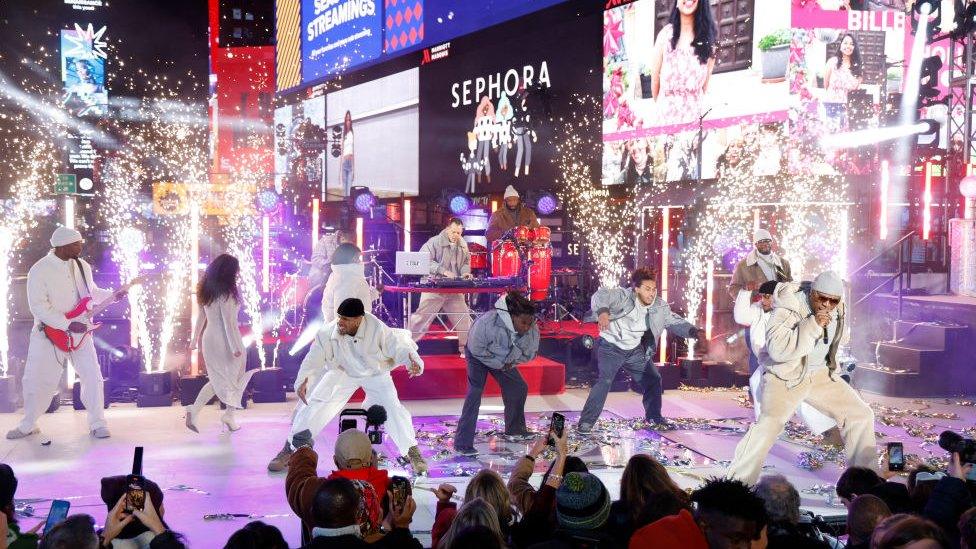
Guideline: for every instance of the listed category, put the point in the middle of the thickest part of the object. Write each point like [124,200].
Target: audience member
[168,540]
[582,510]
[74,532]
[784,528]
[522,492]
[921,483]
[904,531]
[857,481]
[135,529]
[728,513]
[335,516]
[9,528]
[967,529]
[487,485]
[863,515]
[950,498]
[256,535]
[647,493]
[478,537]
[475,512]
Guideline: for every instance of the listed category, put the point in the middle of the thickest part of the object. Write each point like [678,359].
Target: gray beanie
[830,283]
[582,502]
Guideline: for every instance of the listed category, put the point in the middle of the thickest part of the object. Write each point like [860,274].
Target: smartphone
[556,426]
[400,486]
[58,512]
[135,485]
[896,456]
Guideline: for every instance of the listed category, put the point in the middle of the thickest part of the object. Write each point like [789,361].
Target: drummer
[513,214]
[449,258]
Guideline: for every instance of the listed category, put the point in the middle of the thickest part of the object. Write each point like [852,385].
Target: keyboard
[489,282]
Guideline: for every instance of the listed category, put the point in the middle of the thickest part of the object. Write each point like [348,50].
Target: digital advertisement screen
[83,56]
[338,34]
[300,146]
[488,110]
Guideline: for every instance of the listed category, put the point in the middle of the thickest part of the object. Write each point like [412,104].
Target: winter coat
[792,333]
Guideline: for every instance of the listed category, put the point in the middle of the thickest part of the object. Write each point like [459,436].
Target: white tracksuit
[350,362]
[54,287]
[751,314]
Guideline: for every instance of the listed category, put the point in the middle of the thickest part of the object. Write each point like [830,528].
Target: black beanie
[768,287]
[8,485]
[351,307]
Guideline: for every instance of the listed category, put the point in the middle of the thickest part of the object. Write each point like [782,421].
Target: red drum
[542,236]
[540,272]
[505,260]
[524,235]
[479,256]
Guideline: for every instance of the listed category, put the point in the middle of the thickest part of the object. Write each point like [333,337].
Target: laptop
[412,263]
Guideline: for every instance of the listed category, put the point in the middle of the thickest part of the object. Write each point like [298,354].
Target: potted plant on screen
[775,48]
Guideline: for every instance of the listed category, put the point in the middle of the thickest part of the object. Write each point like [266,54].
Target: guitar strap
[83,279]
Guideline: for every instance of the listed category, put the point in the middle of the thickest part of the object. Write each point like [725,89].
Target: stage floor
[217,472]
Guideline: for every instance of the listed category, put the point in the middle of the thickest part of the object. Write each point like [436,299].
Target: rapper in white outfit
[357,350]
[55,284]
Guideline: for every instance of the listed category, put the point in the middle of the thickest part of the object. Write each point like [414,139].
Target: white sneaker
[101,432]
[16,433]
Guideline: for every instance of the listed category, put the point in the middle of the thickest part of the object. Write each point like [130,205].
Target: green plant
[778,38]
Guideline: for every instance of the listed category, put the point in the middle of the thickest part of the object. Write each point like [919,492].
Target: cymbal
[371,252]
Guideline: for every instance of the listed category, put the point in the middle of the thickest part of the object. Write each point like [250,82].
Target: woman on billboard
[347,162]
[684,56]
[842,75]
[484,129]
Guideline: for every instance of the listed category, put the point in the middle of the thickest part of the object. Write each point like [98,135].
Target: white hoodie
[346,281]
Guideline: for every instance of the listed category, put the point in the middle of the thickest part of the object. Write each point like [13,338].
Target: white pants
[779,401]
[817,421]
[330,395]
[458,313]
[43,374]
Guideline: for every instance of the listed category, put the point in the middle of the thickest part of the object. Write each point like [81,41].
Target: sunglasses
[831,300]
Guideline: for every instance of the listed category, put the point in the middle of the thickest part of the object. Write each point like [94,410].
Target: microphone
[376,415]
[825,335]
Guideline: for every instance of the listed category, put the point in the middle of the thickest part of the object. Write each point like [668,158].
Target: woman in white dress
[218,336]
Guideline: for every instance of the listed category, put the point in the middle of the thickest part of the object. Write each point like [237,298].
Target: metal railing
[904,269]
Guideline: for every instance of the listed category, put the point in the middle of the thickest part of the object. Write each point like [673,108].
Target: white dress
[219,338]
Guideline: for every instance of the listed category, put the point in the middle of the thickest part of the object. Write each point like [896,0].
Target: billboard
[338,34]
[83,56]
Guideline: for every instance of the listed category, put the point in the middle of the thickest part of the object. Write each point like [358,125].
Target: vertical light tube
[885,186]
[665,248]
[709,299]
[359,232]
[406,225]
[927,203]
[194,279]
[315,223]
[494,206]
[265,254]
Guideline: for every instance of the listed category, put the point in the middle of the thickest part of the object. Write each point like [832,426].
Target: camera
[375,418]
[955,443]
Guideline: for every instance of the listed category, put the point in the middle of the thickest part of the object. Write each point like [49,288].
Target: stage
[217,472]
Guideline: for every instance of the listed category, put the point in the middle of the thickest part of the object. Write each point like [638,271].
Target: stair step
[899,356]
[873,379]
[928,335]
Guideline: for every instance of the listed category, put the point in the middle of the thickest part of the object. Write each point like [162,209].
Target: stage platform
[218,472]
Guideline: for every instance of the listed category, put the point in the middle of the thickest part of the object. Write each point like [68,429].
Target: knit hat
[830,283]
[768,287]
[353,449]
[761,234]
[510,192]
[351,307]
[8,485]
[582,502]
[63,236]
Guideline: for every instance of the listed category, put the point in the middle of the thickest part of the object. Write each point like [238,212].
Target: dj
[449,257]
[513,214]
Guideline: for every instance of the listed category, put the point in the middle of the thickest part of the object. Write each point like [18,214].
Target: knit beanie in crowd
[582,502]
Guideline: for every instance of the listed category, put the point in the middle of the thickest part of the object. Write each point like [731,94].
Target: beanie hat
[510,192]
[63,236]
[351,447]
[8,485]
[582,502]
[351,307]
[761,234]
[768,287]
[830,283]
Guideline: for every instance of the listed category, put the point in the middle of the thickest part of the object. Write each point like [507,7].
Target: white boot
[228,420]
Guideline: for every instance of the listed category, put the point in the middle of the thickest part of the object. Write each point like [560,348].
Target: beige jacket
[748,270]
[793,331]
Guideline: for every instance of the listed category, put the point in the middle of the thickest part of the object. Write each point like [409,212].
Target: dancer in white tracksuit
[55,284]
[218,334]
[449,258]
[357,351]
[756,315]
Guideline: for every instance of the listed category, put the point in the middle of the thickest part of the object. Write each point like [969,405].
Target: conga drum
[479,256]
[524,235]
[540,272]
[505,260]
[542,236]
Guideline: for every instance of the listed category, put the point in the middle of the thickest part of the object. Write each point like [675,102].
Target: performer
[631,321]
[355,351]
[348,279]
[755,315]
[449,258]
[802,338]
[513,214]
[218,334]
[55,284]
[499,341]
[762,264]
[321,262]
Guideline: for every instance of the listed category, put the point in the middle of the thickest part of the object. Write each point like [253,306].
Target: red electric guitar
[83,312]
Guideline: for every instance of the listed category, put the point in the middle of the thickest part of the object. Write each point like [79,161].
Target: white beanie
[63,236]
[510,191]
[830,283]
[761,234]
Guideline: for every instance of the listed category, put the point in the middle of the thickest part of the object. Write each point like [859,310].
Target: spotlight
[931,10]
[268,201]
[877,135]
[362,199]
[544,202]
[456,201]
[928,80]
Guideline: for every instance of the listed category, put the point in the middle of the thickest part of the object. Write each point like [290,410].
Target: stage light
[709,298]
[362,199]
[407,219]
[927,14]
[928,81]
[265,254]
[927,203]
[547,204]
[268,201]
[665,248]
[884,188]
[458,204]
[872,136]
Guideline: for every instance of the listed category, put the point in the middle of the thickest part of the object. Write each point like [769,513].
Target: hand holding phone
[896,456]
[58,512]
[556,427]
[135,484]
[400,490]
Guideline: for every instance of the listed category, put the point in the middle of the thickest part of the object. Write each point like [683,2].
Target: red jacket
[674,532]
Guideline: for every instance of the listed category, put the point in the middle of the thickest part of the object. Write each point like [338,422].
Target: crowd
[360,505]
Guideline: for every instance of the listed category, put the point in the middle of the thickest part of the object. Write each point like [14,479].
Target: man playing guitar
[55,285]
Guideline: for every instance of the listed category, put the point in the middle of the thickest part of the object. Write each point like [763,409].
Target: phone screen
[135,494]
[58,512]
[896,456]
[558,423]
